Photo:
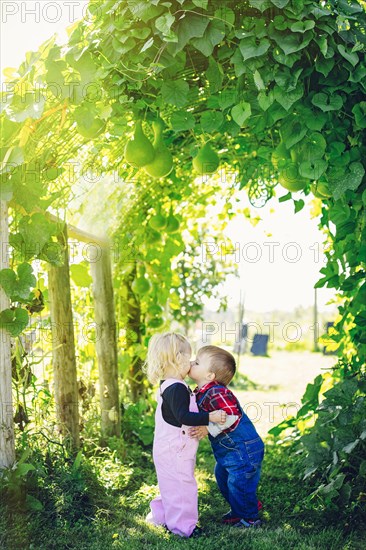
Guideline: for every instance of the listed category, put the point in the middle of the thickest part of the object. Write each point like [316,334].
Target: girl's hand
[218,417]
[198,431]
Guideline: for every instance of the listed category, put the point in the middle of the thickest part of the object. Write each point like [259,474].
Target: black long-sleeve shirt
[175,407]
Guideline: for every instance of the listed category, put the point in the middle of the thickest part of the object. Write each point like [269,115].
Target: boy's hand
[198,431]
[218,417]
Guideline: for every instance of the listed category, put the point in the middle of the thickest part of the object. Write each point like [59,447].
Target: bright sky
[276,272]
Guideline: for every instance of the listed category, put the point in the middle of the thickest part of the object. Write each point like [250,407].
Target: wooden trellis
[63,349]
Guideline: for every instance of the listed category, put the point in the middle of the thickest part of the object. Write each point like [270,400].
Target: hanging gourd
[162,164]
[206,161]
[139,151]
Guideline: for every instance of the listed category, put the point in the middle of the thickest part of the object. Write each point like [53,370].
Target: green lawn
[106,510]
[103,504]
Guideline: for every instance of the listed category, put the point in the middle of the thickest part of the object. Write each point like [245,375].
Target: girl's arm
[177,399]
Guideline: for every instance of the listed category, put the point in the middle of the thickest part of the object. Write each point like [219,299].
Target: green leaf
[265,100]
[285,198]
[24,468]
[351,179]
[201,4]
[293,42]
[287,99]
[80,275]
[312,169]
[251,47]
[261,5]
[292,130]
[302,26]
[30,105]
[191,26]
[211,121]
[164,22]
[359,110]
[18,288]
[352,57]
[241,112]
[299,205]
[33,503]
[327,102]
[182,121]
[258,81]
[214,34]
[214,75]
[10,158]
[175,92]
[144,10]
[280,3]
[14,320]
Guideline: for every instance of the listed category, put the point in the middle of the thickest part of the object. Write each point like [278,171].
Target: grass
[103,505]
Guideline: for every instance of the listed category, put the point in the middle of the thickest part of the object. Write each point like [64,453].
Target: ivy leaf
[280,3]
[191,26]
[287,99]
[163,24]
[182,120]
[241,112]
[258,81]
[14,320]
[302,26]
[299,205]
[30,105]
[327,102]
[211,121]
[175,92]
[293,42]
[213,35]
[359,110]
[312,169]
[249,47]
[214,75]
[144,10]
[265,100]
[261,5]
[201,4]
[80,275]
[292,131]
[352,57]
[17,288]
[349,180]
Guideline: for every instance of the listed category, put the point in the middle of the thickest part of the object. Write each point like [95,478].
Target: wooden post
[7,445]
[133,337]
[106,344]
[63,350]
[316,328]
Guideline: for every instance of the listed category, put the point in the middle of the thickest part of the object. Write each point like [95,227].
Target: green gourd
[158,222]
[162,164]
[139,151]
[206,161]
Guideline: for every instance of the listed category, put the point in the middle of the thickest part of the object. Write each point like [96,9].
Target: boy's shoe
[230,519]
[197,532]
[248,523]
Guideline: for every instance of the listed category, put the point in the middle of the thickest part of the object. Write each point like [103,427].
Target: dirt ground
[282,379]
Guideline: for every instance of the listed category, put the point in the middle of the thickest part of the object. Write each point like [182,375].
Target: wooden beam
[7,445]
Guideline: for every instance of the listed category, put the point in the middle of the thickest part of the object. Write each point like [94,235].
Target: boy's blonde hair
[163,352]
[222,363]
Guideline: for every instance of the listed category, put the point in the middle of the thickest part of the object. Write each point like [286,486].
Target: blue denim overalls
[239,456]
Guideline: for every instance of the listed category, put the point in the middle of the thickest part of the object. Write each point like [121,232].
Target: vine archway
[276,86]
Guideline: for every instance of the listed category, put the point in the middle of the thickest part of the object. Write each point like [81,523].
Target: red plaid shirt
[218,398]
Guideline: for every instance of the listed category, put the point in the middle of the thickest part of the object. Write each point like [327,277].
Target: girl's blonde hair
[163,352]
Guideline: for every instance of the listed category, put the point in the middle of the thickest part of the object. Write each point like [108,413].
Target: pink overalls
[174,454]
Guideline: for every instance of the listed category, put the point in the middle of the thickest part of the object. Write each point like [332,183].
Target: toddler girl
[174,452]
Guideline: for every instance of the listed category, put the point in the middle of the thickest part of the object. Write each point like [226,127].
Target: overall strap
[169,382]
